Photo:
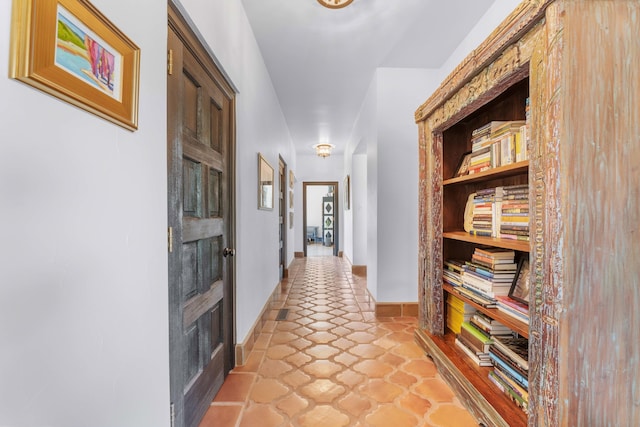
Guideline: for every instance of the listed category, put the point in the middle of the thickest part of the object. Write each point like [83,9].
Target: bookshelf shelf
[494,407]
[495,173]
[516,245]
[514,324]
[450,135]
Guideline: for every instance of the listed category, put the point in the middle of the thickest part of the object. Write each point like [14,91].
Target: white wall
[83,299]
[315,193]
[363,142]
[399,94]
[83,304]
[260,128]
[493,17]
[359,209]
[386,128]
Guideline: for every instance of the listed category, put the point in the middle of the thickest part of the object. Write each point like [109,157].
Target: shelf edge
[481,409]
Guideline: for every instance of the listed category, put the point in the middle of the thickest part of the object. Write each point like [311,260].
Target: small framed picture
[70,50]
[463,166]
[520,287]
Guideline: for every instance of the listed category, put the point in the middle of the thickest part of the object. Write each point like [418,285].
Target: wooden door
[200,161]
[282,207]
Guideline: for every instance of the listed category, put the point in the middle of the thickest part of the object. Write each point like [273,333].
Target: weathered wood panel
[600,190]
[546,224]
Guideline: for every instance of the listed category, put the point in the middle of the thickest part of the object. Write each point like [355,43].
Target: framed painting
[347,193]
[520,288]
[265,184]
[70,50]
[291,179]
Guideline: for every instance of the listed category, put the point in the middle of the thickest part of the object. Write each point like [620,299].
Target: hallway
[331,363]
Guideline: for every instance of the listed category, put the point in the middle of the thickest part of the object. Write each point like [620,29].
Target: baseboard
[298,254]
[243,349]
[359,270]
[396,309]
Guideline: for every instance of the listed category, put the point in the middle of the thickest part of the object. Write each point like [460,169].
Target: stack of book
[475,343]
[511,368]
[490,326]
[526,131]
[452,272]
[509,142]
[481,137]
[513,308]
[490,272]
[497,143]
[483,219]
[458,312]
[514,209]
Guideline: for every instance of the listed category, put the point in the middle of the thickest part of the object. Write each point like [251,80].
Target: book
[508,370]
[474,357]
[479,340]
[508,361]
[506,390]
[495,252]
[477,298]
[517,388]
[490,326]
[495,267]
[516,348]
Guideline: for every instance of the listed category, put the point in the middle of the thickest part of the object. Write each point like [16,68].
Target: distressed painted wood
[591,291]
[582,61]
[201,159]
[527,14]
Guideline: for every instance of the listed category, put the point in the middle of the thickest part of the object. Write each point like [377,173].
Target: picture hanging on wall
[70,50]
[347,193]
[265,184]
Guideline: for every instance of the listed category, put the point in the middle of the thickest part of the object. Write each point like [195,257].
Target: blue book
[524,382]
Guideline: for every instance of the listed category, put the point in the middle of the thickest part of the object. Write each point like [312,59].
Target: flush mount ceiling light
[324,149]
[335,4]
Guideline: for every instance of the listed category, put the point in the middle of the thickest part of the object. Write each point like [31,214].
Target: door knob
[228,251]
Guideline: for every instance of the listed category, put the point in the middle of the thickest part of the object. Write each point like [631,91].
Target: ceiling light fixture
[324,149]
[335,4]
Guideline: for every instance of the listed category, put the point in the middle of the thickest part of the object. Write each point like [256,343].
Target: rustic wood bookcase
[579,63]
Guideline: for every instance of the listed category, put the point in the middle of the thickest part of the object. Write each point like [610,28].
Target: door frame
[336,217]
[184,27]
[283,209]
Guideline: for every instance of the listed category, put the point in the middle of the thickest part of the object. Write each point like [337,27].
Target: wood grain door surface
[200,153]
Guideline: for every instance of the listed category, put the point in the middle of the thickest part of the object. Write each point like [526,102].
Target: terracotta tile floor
[331,363]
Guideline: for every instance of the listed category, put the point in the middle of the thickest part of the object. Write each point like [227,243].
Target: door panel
[200,153]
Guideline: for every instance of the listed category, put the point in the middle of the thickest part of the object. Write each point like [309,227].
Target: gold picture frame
[292,179]
[265,184]
[70,50]
[347,193]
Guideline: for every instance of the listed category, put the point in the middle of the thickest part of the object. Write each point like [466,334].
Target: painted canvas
[84,55]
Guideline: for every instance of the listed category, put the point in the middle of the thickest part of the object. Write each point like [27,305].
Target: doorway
[321,219]
[201,204]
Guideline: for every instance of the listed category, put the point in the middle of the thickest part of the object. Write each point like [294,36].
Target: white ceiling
[321,60]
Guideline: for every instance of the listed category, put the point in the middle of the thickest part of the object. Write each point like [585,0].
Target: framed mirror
[520,288]
[265,184]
